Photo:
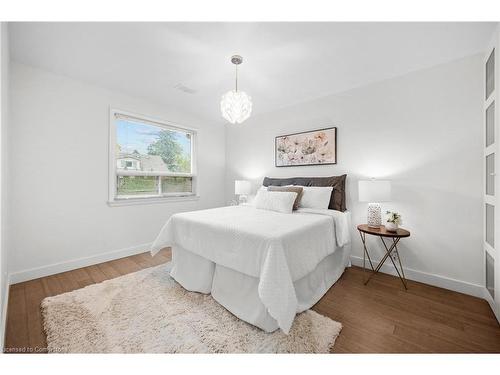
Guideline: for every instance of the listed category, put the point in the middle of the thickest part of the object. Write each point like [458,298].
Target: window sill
[138,201]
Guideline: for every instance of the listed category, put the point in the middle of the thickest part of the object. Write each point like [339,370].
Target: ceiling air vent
[185,89]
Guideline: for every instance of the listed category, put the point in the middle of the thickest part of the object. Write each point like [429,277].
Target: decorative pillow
[295,189]
[337,199]
[280,201]
[316,197]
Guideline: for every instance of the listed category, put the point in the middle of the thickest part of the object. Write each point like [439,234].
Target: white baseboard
[3,327]
[51,269]
[429,278]
[494,307]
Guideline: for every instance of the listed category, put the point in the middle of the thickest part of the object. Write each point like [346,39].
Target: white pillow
[251,198]
[280,201]
[316,197]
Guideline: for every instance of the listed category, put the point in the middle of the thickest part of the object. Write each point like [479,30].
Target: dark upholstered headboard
[337,200]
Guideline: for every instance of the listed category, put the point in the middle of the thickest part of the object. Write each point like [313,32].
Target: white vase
[391,227]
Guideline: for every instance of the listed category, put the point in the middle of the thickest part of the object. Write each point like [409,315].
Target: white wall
[59,174]
[4,118]
[423,131]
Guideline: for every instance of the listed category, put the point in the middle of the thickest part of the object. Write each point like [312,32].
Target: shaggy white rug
[148,312]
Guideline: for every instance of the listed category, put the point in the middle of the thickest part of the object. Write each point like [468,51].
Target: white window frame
[113,200]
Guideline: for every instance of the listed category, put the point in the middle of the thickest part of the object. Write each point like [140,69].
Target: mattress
[276,249]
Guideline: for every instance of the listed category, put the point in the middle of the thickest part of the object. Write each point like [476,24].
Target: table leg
[382,261]
[399,259]
[365,253]
[388,251]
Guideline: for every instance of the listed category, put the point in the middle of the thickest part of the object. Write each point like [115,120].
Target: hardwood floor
[380,317]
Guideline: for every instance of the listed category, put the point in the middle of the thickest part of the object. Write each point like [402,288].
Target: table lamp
[374,192]
[242,188]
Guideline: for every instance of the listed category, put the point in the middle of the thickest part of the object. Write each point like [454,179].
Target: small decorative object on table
[374,192]
[242,188]
[394,220]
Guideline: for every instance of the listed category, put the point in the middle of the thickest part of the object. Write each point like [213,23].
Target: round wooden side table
[381,232]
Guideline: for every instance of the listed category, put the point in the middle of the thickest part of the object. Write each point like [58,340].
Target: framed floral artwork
[315,147]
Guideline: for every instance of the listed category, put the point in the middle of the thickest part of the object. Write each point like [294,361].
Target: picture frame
[311,147]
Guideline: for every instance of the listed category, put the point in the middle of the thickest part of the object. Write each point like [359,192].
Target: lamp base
[242,198]
[374,217]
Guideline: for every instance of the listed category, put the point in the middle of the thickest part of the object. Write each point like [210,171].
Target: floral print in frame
[314,147]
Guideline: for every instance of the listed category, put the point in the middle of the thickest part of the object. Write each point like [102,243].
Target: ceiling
[186,65]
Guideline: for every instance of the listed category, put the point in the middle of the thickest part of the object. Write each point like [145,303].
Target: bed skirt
[238,292]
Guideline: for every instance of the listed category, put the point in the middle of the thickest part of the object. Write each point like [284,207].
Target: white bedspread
[274,247]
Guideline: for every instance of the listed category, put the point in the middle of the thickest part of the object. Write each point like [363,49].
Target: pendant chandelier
[236,106]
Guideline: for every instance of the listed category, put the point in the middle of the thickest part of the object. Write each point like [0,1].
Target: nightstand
[381,232]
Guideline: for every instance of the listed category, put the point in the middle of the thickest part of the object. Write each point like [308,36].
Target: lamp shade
[242,187]
[374,191]
[236,106]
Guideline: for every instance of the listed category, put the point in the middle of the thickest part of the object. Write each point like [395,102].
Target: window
[150,159]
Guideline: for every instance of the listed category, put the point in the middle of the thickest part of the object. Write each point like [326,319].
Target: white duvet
[277,248]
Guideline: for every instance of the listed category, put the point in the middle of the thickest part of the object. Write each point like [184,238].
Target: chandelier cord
[236,106]
[236,77]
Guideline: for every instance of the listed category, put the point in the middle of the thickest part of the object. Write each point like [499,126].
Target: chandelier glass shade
[236,106]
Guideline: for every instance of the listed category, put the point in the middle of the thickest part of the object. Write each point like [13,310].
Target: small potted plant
[393,221]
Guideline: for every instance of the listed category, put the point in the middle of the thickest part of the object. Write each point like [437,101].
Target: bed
[263,266]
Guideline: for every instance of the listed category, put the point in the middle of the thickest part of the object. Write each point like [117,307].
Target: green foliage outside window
[171,152]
